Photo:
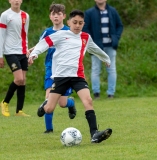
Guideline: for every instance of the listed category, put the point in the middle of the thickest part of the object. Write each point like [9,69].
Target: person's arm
[41,47]
[94,49]
[29,51]
[119,25]
[44,44]
[3,27]
[42,36]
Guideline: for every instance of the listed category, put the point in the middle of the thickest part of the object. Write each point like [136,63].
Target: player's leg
[15,67]
[22,85]
[86,99]
[48,116]
[68,102]
[48,122]
[65,101]
[5,103]
[81,87]
[96,136]
[59,87]
[50,106]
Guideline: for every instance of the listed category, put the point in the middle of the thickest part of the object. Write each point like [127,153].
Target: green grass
[133,121]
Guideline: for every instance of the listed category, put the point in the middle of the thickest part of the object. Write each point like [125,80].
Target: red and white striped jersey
[13,32]
[70,50]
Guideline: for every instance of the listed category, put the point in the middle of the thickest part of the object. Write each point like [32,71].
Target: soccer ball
[70,137]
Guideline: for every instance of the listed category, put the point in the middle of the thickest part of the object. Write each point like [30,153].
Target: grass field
[133,120]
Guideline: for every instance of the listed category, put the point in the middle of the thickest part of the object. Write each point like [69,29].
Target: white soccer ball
[70,137]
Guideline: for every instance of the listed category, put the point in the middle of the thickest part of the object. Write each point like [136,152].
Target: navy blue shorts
[61,84]
[49,82]
[17,61]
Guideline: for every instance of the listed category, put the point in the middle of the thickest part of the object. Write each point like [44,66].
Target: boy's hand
[1,62]
[31,60]
[29,52]
[107,65]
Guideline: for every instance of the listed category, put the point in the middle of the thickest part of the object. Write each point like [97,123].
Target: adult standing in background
[14,25]
[104,25]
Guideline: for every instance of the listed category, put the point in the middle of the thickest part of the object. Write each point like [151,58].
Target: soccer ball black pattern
[70,137]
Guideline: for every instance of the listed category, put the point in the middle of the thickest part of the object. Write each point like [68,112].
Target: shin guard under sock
[91,118]
[10,93]
[70,103]
[20,98]
[49,121]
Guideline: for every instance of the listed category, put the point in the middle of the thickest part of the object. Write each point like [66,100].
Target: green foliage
[137,61]
[135,12]
[133,121]
[136,55]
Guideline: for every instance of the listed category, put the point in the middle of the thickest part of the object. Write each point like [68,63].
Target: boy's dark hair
[56,8]
[76,13]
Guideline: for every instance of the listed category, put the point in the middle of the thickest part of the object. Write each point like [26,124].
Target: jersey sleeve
[45,43]
[95,50]
[3,27]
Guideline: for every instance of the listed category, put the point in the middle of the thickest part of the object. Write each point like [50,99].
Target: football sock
[91,118]
[10,93]
[48,120]
[70,103]
[20,98]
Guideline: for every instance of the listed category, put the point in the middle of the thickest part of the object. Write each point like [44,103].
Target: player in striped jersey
[14,24]
[68,69]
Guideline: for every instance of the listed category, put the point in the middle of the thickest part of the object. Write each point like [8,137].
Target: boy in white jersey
[57,15]
[14,25]
[68,70]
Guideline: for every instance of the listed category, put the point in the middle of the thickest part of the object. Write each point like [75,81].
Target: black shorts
[17,61]
[61,84]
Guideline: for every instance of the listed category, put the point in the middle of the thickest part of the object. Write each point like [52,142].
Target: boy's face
[76,24]
[57,18]
[100,1]
[15,3]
